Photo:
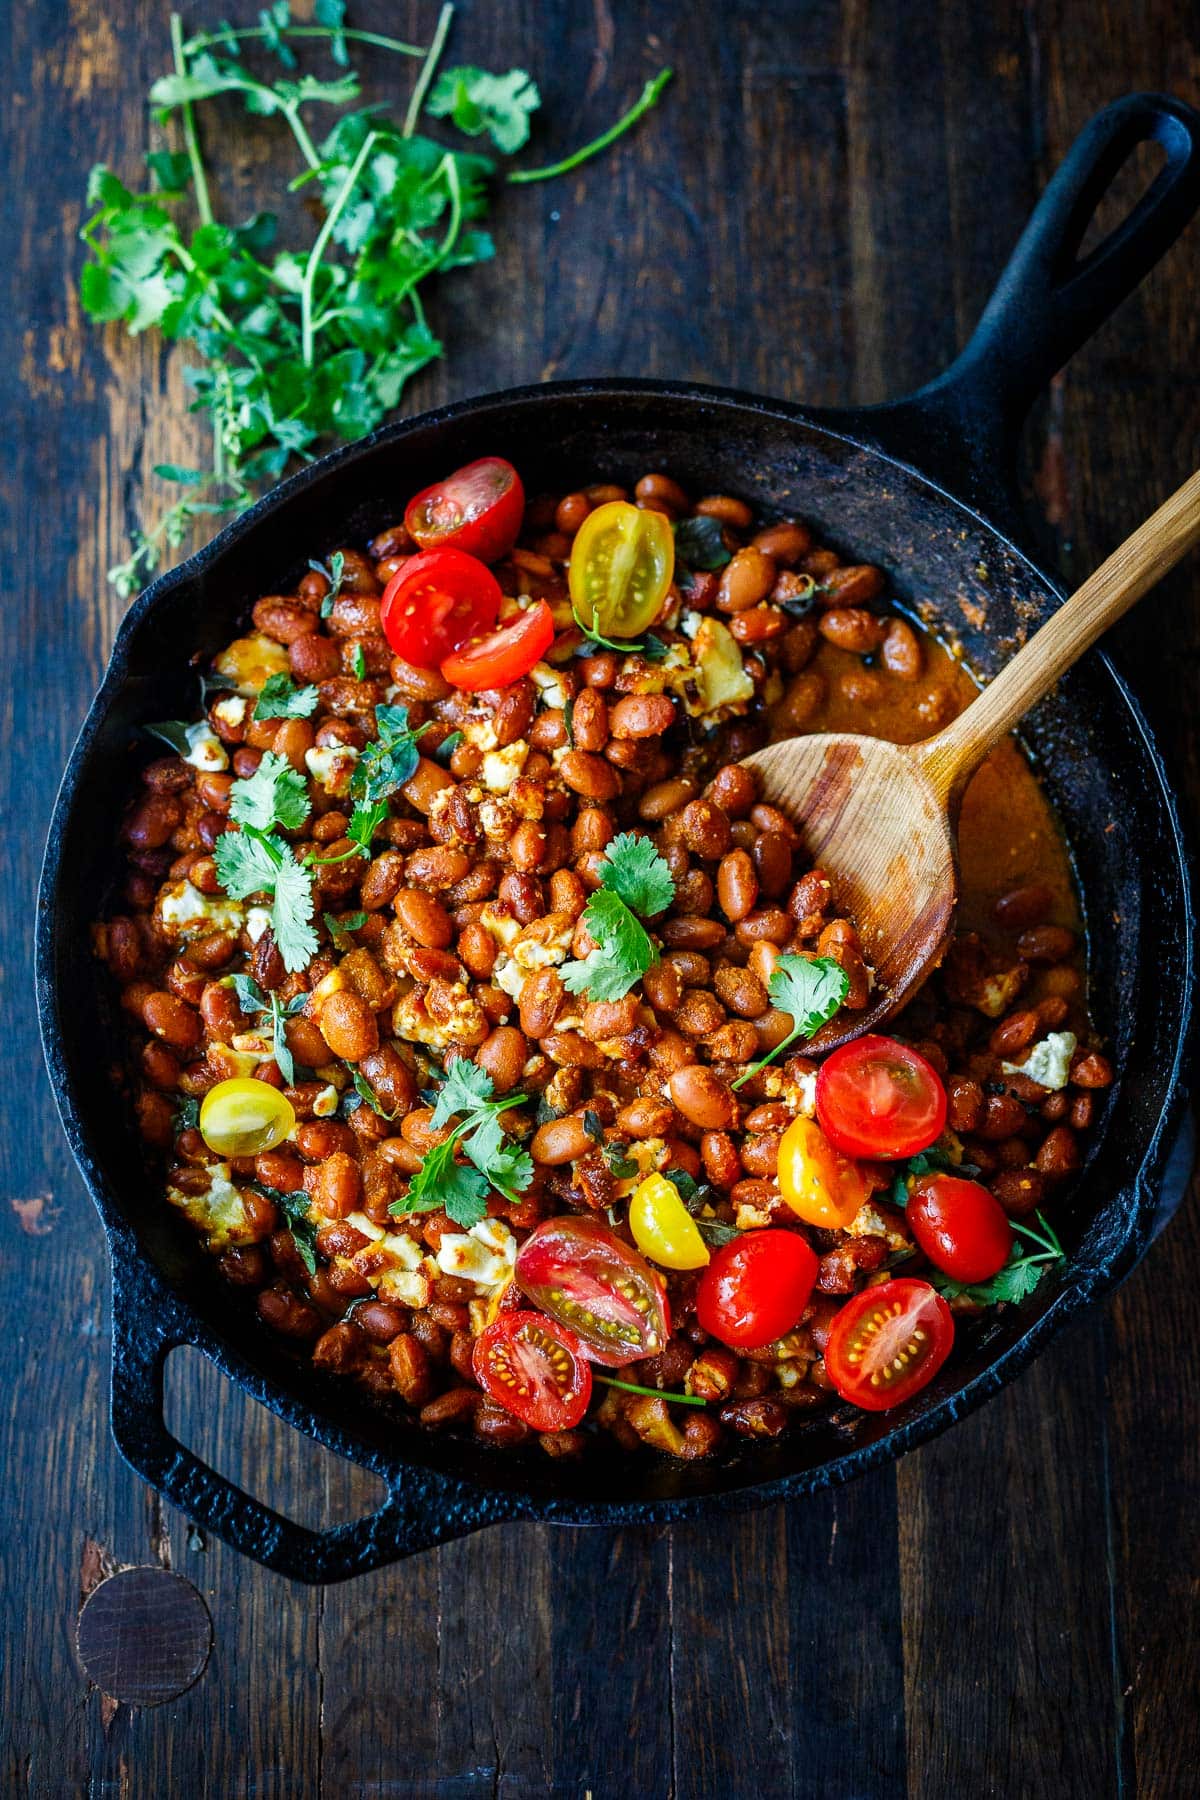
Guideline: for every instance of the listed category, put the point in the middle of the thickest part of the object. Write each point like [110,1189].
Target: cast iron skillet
[911,486]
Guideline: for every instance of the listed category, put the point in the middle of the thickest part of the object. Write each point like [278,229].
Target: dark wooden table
[818,211]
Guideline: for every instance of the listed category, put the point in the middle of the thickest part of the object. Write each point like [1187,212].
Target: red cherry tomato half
[534,1369]
[599,1288]
[876,1097]
[479,509]
[504,656]
[887,1343]
[961,1228]
[437,601]
[755,1288]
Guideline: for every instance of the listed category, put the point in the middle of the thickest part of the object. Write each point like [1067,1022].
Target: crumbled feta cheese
[219,1213]
[466,1024]
[232,712]
[691,623]
[501,767]
[234,1062]
[183,911]
[368,1227]
[205,749]
[251,661]
[503,927]
[751,1218]
[483,1255]
[868,1221]
[481,733]
[1049,1062]
[326,1103]
[721,680]
[537,948]
[332,765]
[549,684]
[413,1289]
[258,920]
[507,975]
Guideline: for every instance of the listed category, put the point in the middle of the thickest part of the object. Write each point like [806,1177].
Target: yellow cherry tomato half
[245,1116]
[663,1228]
[821,1185]
[622,562]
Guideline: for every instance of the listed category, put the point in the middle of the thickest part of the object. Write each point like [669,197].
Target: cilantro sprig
[1020,1274]
[811,990]
[634,879]
[280,698]
[252,1000]
[495,1162]
[251,861]
[316,338]
[274,795]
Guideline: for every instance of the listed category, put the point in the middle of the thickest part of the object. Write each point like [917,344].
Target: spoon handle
[948,759]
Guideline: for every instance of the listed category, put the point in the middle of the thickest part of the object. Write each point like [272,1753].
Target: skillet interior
[946,565]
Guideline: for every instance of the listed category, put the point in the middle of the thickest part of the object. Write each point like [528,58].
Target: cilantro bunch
[494,1161]
[634,879]
[301,342]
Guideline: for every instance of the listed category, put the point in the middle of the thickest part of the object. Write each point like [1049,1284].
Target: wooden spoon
[880,818]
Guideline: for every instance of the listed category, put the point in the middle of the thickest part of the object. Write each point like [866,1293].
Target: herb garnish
[700,543]
[634,879]
[251,861]
[811,990]
[276,794]
[696,1195]
[252,1000]
[295,1209]
[1020,1274]
[925,1162]
[280,698]
[498,1163]
[315,340]
[333,575]
[340,929]
[631,1387]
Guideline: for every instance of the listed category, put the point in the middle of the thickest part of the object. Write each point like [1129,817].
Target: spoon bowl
[880,819]
[870,817]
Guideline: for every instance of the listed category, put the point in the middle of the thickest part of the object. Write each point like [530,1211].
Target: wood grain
[817,211]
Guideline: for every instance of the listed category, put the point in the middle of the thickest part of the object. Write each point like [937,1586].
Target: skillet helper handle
[1049,300]
[428,1509]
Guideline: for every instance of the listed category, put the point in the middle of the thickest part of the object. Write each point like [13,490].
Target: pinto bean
[900,652]
[737,884]
[641,716]
[1024,906]
[503,1054]
[648,1117]
[590,776]
[560,1141]
[348,1026]
[542,995]
[1046,944]
[703,1097]
[855,585]
[1091,1070]
[850,628]
[280,618]
[745,580]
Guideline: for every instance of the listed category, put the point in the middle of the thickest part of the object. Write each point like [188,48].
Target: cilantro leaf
[358,663]
[249,862]
[276,794]
[292,916]
[477,102]
[246,864]
[497,1162]
[633,869]
[700,543]
[1020,1274]
[466,1088]
[340,929]
[333,575]
[811,989]
[295,1209]
[365,821]
[280,698]
[625,950]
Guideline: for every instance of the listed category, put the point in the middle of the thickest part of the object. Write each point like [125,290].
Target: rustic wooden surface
[817,211]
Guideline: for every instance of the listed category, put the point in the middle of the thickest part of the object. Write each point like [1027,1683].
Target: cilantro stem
[191,140]
[308,149]
[631,1387]
[648,98]
[207,40]
[318,249]
[764,1060]
[428,69]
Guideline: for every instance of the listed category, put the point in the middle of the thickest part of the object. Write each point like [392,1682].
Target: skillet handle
[1047,302]
[422,1510]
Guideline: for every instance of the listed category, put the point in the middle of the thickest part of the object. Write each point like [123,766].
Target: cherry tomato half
[887,1343]
[755,1288]
[245,1116]
[622,562]
[478,509]
[534,1368]
[588,1280]
[821,1186]
[962,1229]
[663,1228]
[503,656]
[437,601]
[876,1097]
